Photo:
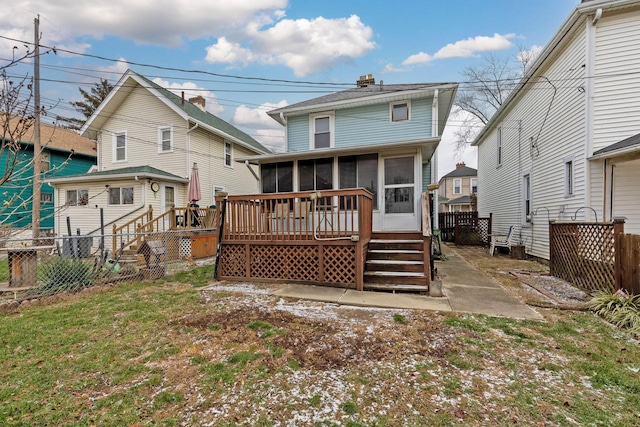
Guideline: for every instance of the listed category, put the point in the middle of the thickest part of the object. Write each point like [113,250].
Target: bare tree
[16,119]
[91,101]
[485,87]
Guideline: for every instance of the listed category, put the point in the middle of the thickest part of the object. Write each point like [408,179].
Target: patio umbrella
[194,185]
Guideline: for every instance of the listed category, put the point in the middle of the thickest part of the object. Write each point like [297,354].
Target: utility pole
[35,201]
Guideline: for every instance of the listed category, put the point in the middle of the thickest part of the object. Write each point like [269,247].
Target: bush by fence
[71,263]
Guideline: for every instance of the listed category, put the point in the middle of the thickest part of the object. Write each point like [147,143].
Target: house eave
[429,144]
[100,177]
[280,114]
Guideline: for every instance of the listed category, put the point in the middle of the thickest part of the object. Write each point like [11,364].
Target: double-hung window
[526,186]
[474,185]
[121,195]
[165,139]
[45,161]
[499,146]
[120,147]
[228,154]
[457,186]
[568,177]
[321,131]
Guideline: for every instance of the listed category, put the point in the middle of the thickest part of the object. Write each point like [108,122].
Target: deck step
[384,241]
[393,274]
[395,287]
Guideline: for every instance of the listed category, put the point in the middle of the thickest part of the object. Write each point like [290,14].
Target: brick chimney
[365,81]
[199,101]
[459,165]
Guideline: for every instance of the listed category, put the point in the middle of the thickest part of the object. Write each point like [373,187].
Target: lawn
[171,353]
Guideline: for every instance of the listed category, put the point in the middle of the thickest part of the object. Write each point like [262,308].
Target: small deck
[316,238]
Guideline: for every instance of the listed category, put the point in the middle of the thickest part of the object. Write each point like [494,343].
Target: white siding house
[560,147]
[148,140]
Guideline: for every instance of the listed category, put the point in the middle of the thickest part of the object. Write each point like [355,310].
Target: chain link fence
[48,266]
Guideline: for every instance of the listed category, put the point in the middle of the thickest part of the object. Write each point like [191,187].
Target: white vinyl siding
[616,106]
[542,126]
[626,195]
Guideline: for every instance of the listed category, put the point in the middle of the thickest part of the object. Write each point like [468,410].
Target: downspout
[283,119]
[434,158]
[604,191]
[589,95]
[188,150]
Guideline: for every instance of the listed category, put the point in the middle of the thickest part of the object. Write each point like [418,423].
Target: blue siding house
[381,137]
[63,153]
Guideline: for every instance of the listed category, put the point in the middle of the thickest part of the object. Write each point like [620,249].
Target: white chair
[501,240]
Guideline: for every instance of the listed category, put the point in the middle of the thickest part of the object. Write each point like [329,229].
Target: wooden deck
[316,238]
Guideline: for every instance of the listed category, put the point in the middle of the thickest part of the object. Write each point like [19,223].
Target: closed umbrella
[194,185]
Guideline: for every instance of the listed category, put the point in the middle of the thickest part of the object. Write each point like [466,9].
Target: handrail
[309,215]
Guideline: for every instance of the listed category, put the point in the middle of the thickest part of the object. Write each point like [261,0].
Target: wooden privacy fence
[595,256]
[464,228]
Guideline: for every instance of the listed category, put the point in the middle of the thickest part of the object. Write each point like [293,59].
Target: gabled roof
[372,94]
[128,172]
[55,138]
[574,22]
[184,108]
[461,171]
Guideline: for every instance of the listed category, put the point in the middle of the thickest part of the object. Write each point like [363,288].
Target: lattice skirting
[294,262]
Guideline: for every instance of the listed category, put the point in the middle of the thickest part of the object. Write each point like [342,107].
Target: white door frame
[401,221]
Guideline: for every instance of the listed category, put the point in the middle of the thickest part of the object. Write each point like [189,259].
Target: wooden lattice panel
[297,262]
[584,255]
[340,264]
[474,231]
[233,261]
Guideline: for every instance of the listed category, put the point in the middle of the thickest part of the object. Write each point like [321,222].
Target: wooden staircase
[396,262]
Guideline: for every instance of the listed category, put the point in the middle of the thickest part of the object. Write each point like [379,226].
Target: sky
[247,57]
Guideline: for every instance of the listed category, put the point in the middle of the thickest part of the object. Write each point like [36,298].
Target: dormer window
[321,131]
[400,111]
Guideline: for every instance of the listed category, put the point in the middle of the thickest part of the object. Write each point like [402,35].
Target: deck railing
[325,215]
[176,218]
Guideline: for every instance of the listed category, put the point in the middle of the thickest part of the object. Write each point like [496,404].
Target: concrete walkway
[465,289]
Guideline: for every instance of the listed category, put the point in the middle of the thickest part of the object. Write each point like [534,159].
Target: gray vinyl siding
[542,127]
[367,125]
[426,175]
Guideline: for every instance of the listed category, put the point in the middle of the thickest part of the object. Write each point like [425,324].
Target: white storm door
[399,205]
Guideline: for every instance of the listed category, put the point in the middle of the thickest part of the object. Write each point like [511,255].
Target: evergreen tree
[86,107]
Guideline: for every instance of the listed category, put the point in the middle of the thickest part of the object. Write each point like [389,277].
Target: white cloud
[268,132]
[527,57]
[448,152]
[163,22]
[305,46]
[464,48]
[191,90]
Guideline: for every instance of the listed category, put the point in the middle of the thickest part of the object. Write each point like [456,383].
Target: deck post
[359,266]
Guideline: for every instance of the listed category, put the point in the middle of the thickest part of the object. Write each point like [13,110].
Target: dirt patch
[556,290]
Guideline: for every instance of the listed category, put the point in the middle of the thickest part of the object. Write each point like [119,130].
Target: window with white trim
[400,111]
[321,131]
[457,186]
[165,139]
[526,187]
[499,146]
[474,185]
[120,146]
[45,161]
[568,177]
[228,154]
[121,195]
[46,197]
[77,197]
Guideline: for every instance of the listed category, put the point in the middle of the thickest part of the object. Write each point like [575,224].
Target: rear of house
[380,137]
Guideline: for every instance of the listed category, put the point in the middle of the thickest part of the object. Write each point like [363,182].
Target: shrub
[618,308]
[64,274]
